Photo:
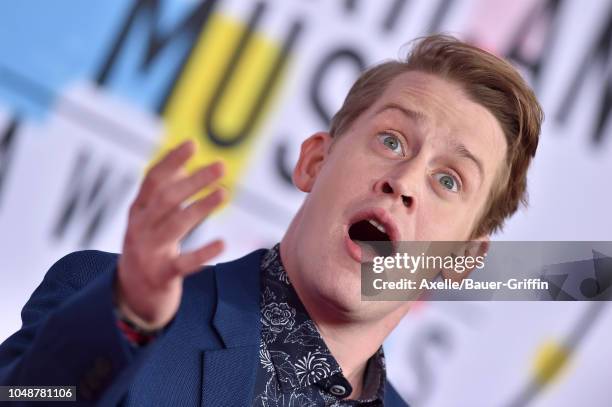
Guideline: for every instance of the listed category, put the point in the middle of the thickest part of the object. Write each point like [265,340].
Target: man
[435,147]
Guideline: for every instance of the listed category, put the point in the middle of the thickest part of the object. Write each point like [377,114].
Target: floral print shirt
[296,368]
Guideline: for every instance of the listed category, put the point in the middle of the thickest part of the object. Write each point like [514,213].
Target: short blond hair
[489,81]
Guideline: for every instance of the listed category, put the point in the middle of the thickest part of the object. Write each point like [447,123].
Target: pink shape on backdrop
[492,25]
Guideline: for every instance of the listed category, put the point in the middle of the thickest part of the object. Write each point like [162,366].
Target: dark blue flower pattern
[296,367]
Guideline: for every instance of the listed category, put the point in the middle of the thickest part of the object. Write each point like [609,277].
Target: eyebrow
[460,149]
[419,117]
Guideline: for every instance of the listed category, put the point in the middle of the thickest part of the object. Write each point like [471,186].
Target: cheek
[347,172]
[442,222]
[332,192]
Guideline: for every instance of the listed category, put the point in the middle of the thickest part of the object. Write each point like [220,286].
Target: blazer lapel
[229,373]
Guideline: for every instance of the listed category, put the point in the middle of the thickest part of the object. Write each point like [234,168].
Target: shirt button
[337,390]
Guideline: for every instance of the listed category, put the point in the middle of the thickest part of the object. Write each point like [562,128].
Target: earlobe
[313,152]
[474,248]
[477,247]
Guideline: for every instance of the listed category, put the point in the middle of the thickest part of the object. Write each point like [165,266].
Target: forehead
[442,111]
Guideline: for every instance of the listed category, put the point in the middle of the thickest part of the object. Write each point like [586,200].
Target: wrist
[132,323]
[131,319]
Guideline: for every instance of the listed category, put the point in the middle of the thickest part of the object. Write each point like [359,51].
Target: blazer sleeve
[69,334]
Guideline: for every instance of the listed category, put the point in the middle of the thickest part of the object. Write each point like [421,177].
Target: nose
[391,186]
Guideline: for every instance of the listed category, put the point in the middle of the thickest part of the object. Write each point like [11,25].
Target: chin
[342,290]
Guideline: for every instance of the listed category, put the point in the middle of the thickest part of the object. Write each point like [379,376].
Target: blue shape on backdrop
[47,45]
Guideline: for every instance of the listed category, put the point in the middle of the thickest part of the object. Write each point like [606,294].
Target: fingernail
[186,145]
[219,167]
[223,191]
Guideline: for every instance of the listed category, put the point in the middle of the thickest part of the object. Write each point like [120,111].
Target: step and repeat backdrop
[92,92]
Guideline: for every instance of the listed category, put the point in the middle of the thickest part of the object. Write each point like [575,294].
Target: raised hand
[151,267]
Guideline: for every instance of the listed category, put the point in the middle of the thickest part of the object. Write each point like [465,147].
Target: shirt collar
[292,344]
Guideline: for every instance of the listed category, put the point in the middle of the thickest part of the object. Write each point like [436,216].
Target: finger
[170,165]
[175,226]
[191,262]
[171,196]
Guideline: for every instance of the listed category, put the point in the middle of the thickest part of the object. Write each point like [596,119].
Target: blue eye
[447,181]
[392,142]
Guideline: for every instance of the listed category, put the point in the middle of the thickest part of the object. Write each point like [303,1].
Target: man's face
[420,161]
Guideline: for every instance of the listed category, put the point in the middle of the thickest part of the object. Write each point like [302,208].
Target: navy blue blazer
[208,356]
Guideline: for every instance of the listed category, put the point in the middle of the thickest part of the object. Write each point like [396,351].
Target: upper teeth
[377,225]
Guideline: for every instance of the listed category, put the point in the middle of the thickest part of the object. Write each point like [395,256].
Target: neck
[351,338]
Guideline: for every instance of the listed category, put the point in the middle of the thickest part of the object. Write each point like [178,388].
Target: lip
[381,216]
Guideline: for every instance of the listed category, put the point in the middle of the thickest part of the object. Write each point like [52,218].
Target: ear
[477,247]
[473,249]
[313,153]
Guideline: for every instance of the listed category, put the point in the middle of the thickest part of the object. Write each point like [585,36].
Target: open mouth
[373,236]
[369,230]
